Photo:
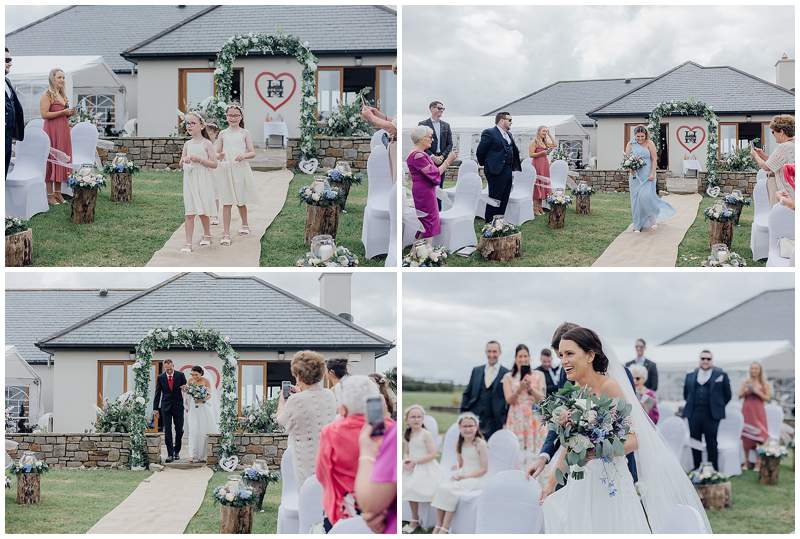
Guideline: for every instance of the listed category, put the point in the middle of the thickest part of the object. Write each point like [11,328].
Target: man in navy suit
[554,377]
[15,120]
[483,395]
[497,153]
[169,401]
[706,390]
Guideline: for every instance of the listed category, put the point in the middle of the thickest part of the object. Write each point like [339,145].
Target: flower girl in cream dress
[198,160]
[235,146]
[421,472]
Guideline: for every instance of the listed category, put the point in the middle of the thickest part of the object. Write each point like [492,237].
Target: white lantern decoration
[120,161]
[323,247]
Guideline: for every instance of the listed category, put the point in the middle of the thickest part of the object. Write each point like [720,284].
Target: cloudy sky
[17,16]
[374,293]
[449,316]
[475,59]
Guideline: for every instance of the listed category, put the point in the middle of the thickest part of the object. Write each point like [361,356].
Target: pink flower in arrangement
[563,417]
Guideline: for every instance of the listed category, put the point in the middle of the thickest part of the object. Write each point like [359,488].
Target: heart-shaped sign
[275,88]
[691,138]
[713,192]
[229,464]
[308,166]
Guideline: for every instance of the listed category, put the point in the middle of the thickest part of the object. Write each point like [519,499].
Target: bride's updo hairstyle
[588,341]
[198,369]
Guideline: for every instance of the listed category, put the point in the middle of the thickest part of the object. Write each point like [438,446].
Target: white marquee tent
[22,379]
[85,76]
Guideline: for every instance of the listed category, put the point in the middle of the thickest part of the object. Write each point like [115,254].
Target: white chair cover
[375,228]
[36,123]
[309,508]
[288,521]
[411,223]
[432,426]
[520,202]
[84,144]
[774,419]
[464,519]
[676,433]
[458,223]
[558,175]
[509,504]
[504,453]
[448,458]
[759,230]
[129,129]
[391,256]
[350,525]
[683,519]
[377,138]
[26,194]
[729,442]
[781,225]
[45,422]
[448,195]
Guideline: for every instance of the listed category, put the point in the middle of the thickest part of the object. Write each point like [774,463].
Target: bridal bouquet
[632,162]
[587,422]
[198,392]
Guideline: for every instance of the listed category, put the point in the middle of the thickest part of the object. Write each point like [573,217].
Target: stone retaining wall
[148,152]
[73,450]
[354,150]
[269,447]
[728,181]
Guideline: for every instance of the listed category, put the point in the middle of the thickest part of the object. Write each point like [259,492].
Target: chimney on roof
[103,292]
[784,72]
[334,294]
[627,81]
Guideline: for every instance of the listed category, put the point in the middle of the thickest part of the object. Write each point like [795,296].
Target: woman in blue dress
[647,208]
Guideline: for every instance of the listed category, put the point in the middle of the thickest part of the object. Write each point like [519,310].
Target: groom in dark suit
[15,121]
[554,378]
[497,153]
[169,402]
[483,395]
[442,141]
[707,391]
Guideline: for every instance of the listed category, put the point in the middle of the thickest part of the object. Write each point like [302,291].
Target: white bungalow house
[609,109]
[88,358]
[165,56]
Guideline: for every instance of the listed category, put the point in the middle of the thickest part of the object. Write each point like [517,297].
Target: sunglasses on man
[8,60]
[705,359]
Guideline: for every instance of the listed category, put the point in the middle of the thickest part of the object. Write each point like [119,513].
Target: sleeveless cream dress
[236,190]
[198,184]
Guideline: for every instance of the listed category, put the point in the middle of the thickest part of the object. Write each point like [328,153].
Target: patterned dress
[523,421]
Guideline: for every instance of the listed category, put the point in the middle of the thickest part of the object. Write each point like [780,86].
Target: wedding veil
[662,481]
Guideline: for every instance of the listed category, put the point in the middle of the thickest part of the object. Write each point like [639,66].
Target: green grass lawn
[206,520]
[429,398]
[71,501]
[694,247]
[283,243]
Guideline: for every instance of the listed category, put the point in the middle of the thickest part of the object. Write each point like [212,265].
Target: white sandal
[215,220]
[408,528]
[187,248]
[244,231]
[205,242]
[226,240]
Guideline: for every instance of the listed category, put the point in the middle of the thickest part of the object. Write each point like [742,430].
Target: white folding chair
[375,228]
[36,123]
[558,175]
[26,194]
[288,519]
[759,230]
[504,452]
[84,144]
[351,525]
[781,225]
[675,432]
[458,223]
[391,256]
[448,456]
[729,440]
[448,195]
[509,504]
[520,203]
[665,410]
[682,519]
[309,507]
[377,138]
[432,426]
[774,419]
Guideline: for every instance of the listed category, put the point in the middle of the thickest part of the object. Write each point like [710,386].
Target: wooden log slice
[501,249]
[83,206]
[121,187]
[557,215]
[19,248]
[259,491]
[583,204]
[344,191]
[28,488]
[720,232]
[716,496]
[321,220]
[768,471]
[236,519]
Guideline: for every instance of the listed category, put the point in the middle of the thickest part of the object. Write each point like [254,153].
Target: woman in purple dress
[425,178]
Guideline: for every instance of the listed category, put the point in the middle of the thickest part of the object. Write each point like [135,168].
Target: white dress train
[201,422]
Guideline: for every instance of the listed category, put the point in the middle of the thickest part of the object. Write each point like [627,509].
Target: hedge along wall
[354,150]
[163,153]
[251,446]
[73,450]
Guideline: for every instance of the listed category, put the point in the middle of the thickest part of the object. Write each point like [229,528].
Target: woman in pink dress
[425,178]
[54,108]
[755,391]
[538,150]
[524,388]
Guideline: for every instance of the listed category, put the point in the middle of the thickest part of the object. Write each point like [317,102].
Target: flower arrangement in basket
[15,225]
[342,258]
[558,154]
[86,178]
[631,162]
[324,197]
[718,212]
[499,228]
[424,255]
[559,198]
[583,189]
[722,257]
[198,392]
[586,423]
[233,495]
[707,475]
[29,464]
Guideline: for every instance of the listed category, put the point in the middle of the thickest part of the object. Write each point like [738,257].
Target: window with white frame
[18,402]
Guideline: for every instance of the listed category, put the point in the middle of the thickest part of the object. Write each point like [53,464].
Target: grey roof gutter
[45,347]
[717,112]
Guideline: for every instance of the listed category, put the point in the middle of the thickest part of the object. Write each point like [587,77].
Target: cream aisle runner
[266,201]
[165,502]
[653,248]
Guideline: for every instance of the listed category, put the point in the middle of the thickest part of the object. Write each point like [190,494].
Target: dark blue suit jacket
[720,393]
[15,121]
[473,391]
[492,152]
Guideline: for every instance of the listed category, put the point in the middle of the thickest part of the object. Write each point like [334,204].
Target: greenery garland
[172,337]
[690,107]
[283,44]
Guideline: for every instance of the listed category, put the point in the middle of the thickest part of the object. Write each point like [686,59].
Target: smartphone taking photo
[375,415]
[285,387]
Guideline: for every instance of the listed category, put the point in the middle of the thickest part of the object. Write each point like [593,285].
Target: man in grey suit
[442,143]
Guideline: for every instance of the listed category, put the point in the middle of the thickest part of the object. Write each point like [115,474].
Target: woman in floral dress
[524,388]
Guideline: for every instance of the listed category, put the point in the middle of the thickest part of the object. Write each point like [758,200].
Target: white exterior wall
[158,91]
[75,377]
[131,97]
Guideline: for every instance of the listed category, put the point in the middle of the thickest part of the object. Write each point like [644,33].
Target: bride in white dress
[202,418]
[606,499]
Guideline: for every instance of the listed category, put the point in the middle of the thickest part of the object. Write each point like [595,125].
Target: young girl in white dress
[219,174]
[421,472]
[198,160]
[473,462]
[235,146]
[202,417]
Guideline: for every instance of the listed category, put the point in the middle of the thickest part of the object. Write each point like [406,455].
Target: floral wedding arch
[691,107]
[244,44]
[172,337]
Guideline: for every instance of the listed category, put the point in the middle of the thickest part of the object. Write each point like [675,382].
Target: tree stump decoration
[720,232]
[344,190]
[121,187]
[19,248]
[83,205]
[716,496]
[583,205]
[321,220]
[768,470]
[259,491]
[557,215]
[28,488]
[501,249]
[236,519]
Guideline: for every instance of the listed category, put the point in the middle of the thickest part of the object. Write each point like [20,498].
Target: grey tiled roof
[765,317]
[32,315]
[576,97]
[253,313]
[90,30]
[726,89]
[342,28]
